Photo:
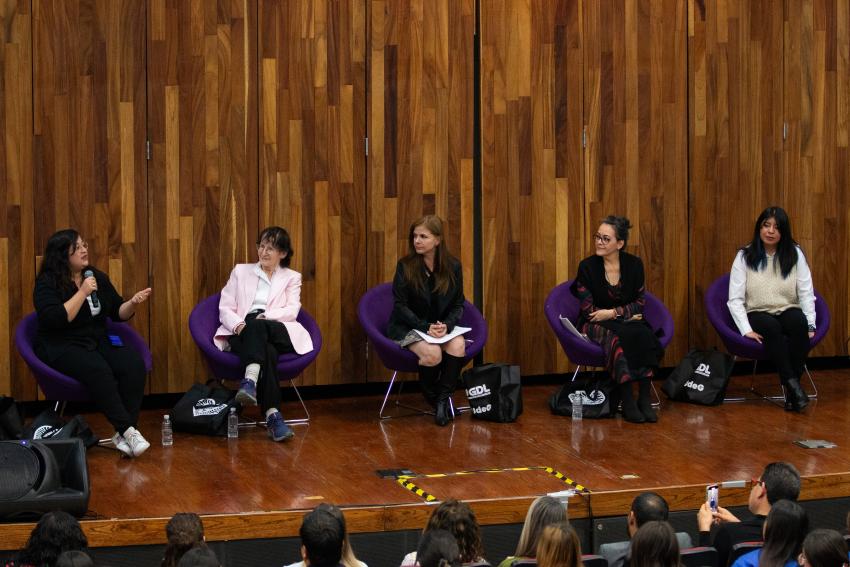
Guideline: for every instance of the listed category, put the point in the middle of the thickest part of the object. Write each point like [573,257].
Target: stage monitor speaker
[41,476]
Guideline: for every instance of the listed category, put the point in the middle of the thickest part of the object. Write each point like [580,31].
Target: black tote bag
[203,409]
[700,378]
[494,392]
[598,398]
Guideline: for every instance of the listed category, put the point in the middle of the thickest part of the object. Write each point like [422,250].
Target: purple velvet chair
[740,346]
[561,301]
[374,313]
[203,322]
[57,386]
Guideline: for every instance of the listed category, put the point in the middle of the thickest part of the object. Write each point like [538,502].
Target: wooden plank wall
[257,113]
[313,164]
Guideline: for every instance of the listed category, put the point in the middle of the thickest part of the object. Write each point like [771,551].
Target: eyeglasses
[262,248]
[756,481]
[81,244]
[603,238]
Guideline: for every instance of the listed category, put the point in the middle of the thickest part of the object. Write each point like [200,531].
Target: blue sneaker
[278,430]
[247,394]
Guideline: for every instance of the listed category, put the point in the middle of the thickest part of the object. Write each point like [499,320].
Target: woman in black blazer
[72,335]
[610,287]
[428,294]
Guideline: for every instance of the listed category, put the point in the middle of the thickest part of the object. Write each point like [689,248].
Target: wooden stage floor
[336,458]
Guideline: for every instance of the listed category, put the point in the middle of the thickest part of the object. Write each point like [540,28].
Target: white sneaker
[121,445]
[137,443]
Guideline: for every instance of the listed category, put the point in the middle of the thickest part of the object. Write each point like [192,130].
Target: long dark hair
[784,529]
[54,264]
[55,533]
[459,519]
[786,250]
[185,531]
[414,264]
[655,545]
[825,548]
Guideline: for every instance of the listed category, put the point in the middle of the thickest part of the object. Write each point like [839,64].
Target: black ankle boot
[644,402]
[631,413]
[429,377]
[442,413]
[796,398]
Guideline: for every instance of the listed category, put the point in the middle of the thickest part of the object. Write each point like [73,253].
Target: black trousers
[262,342]
[786,340]
[114,376]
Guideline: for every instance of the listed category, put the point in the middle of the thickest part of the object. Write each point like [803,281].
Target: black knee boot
[796,398]
[429,377]
[631,412]
[451,366]
[644,402]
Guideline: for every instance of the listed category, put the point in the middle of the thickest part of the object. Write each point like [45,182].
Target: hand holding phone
[712,493]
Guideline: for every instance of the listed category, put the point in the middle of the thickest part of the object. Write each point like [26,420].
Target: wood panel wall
[816,164]
[532,174]
[635,103]
[735,136]
[420,128]
[202,98]
[17,219]
[257,113]
[313,164]
[89,121]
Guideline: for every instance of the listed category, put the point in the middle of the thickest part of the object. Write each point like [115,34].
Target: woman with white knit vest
[772,300]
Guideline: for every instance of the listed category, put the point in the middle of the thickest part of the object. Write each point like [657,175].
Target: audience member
[824,548]
[543,511]
[784,529]
[558,546]
[646,507]
[55,533]
[778,481]
[74,558]
[457,518]
[199,557]
[322,537]
[185,531]
[348,558]
[655,545]
[438,548]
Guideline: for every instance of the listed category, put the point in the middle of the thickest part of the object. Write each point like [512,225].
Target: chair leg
[418,411]
[812,382]
[301,420]
[657,402]
[59,408]
[740,398]
[575,374]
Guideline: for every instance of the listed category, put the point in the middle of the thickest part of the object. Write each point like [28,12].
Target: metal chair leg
[418,411]
[301,420]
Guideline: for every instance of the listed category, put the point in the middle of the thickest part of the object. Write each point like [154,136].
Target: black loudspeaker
[41,476]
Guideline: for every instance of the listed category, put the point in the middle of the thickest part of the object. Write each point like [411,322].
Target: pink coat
[283,305]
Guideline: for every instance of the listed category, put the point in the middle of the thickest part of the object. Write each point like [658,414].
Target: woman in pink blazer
[257,310]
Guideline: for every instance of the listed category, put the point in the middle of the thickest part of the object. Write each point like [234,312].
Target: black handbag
[203,409]
[700,378]
[494,392]
[49,425]
[598,398]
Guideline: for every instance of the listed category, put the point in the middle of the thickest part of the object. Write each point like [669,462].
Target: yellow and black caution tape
[405,480]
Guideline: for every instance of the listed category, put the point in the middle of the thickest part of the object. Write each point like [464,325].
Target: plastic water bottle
[232,424]
[576,399]
[167,435]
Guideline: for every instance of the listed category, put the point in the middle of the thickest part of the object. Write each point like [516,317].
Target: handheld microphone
[94,301]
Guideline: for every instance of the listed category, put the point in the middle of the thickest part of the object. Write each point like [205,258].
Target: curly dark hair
[55,533]
[185,530]
[54,263]
[458,518]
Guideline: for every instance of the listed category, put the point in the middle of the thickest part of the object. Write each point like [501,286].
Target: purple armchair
[739,346]
[561,301]
[57,386]
[203,322]
[374,313]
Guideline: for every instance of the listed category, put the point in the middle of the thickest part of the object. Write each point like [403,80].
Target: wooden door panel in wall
[817,111]
[313,164]
[89,116]
[532,176]
[636,156]
[202,98]
[420,124]
[17,221]
[735,135]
